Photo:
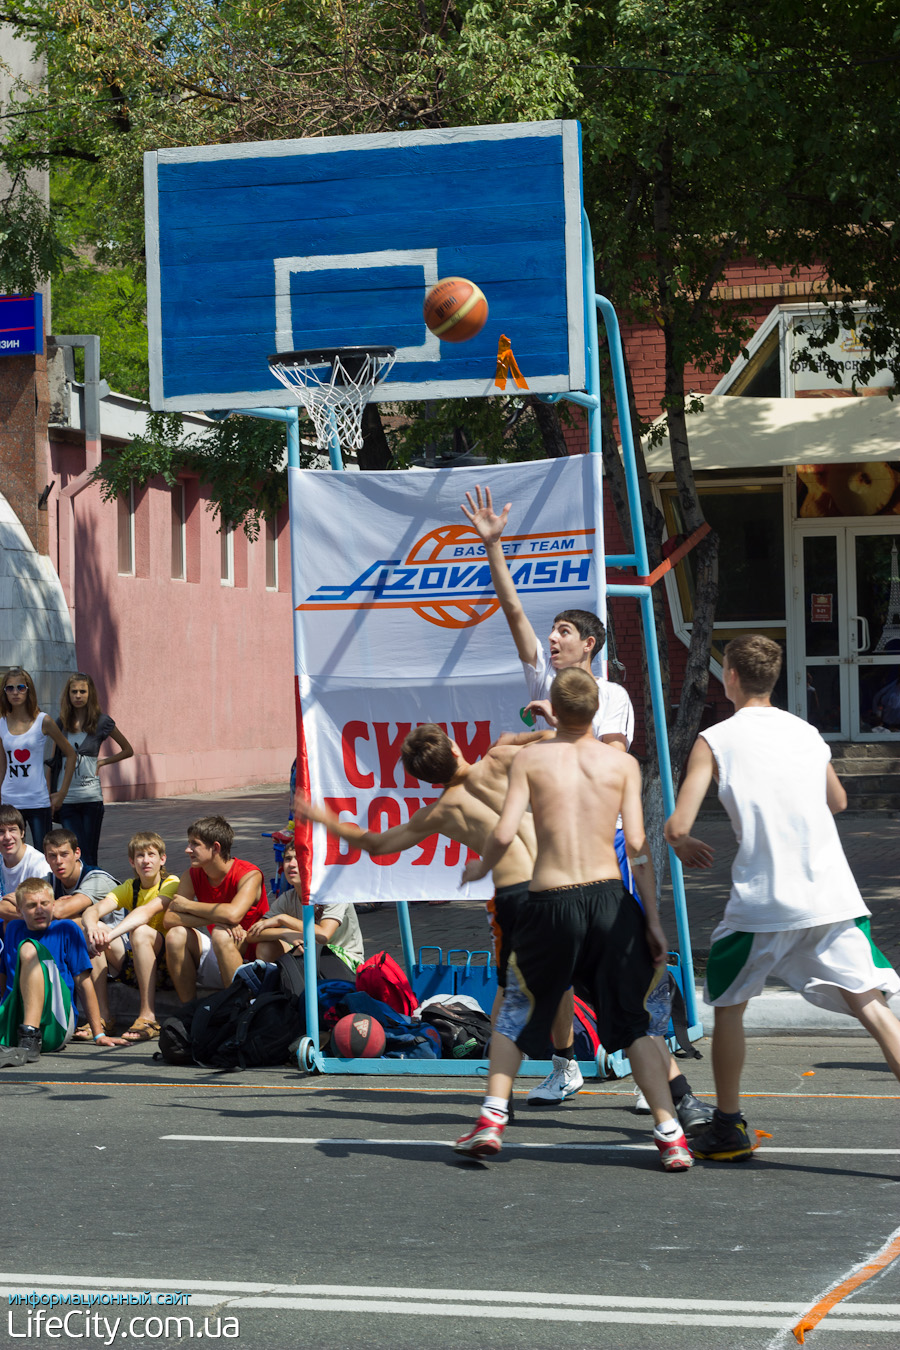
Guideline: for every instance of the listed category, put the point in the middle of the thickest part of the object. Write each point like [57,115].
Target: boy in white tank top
[795,910]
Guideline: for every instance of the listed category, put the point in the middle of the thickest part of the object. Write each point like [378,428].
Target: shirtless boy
[576,638]
[578,925]
[466,812]
[795,911]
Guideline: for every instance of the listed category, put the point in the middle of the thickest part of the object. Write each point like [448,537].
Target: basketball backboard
[334,241]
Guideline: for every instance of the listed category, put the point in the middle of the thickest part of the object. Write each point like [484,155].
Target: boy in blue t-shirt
[45,960]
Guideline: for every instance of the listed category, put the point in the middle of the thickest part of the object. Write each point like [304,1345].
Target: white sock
[669,1129]
[495,1106]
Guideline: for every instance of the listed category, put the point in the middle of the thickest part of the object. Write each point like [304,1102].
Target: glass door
[873,559]
[822,683]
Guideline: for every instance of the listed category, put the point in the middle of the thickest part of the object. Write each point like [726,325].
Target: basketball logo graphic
[445,577]
[435,548]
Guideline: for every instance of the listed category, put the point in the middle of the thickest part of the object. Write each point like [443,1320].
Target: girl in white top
[23,729]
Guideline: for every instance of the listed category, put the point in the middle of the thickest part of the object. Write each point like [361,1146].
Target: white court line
[444,1143]
[786,1337]
[515,1305]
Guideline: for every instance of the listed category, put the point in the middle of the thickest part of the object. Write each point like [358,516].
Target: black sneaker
[30,1042]
[723,1141]
[694,1114]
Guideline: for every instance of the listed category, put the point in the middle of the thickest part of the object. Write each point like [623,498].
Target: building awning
[734,432]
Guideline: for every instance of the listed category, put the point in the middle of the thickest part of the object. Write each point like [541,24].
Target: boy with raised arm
[575,639]
[578,925]
[795,911]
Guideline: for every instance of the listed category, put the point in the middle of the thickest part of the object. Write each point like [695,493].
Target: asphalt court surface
[328,1211]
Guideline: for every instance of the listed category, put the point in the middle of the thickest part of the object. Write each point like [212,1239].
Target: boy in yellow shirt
[140,932]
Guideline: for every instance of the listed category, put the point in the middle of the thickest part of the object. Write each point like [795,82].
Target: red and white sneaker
[483,1141]
[675,1153]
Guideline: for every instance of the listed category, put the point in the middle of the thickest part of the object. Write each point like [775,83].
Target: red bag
[380,977]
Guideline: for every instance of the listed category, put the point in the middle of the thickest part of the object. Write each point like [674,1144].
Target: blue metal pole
[654,672]
[620,386]
[640,560]
[311,991]
[293,439]
[406,937]
[595,430]
[335,457]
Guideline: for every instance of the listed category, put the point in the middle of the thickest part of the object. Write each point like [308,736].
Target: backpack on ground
[464,1032]
[382,978]
[175,1035]
[251,1024]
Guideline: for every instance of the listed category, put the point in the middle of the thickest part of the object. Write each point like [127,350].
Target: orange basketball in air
[455,309]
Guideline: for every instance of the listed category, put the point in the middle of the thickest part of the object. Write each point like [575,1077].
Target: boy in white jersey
[794,910]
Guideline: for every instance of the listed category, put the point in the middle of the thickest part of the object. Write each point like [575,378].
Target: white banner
[396,623]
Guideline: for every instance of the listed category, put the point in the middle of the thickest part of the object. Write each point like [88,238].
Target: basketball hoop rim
[326,356]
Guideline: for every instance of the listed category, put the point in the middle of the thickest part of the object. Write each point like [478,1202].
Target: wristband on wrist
[99,1036]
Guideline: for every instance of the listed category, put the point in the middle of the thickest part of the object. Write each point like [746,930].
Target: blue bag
[404,1037]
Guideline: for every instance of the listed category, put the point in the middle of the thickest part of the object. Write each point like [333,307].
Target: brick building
[801,481]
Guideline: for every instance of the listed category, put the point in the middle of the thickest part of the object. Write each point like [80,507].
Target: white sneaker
[641,1105]
[563,1082]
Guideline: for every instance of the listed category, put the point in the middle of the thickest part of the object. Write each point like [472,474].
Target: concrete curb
[781,1012]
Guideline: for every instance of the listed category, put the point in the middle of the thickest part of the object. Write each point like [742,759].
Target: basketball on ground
[455,309]
[358,1036]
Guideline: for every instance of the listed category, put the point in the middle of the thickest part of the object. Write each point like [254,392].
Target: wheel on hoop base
[306,1055]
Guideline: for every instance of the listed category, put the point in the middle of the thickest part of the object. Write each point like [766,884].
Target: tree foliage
[241,460]
[712,133]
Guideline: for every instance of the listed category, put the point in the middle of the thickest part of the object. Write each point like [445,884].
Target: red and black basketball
[358,1036]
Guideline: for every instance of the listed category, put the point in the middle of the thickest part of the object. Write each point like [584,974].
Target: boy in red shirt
[219,898]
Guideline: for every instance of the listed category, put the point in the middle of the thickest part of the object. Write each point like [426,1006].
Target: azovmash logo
[446,580]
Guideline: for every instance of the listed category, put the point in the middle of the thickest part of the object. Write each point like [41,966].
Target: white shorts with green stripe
[816,962]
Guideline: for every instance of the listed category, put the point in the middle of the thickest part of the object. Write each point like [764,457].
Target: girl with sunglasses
[83,721]
[23,728]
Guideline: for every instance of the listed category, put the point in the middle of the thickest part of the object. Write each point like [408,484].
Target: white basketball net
[335,397]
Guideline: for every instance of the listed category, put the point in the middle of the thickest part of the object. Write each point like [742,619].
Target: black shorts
[502,910]
[589,936]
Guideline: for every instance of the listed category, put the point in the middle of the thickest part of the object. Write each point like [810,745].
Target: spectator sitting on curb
[218,900]
[75,888]
[18,860]
[46,960]
[339,940]
[140,931]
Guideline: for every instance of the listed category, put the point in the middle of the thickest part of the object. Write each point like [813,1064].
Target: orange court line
[809,1321]
[338,1083]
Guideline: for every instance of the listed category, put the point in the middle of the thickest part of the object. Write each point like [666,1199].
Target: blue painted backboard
[334,241]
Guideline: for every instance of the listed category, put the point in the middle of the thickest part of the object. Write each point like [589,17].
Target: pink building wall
[197,674]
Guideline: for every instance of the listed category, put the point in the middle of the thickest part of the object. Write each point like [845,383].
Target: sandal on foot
[141,1029]
[109,1025]
[83,1032]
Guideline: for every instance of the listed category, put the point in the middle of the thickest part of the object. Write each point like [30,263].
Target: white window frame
[271,543]
[129,517]
[178,496]
[226,555]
